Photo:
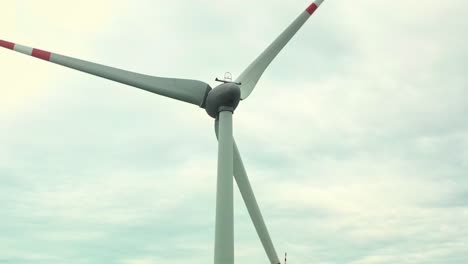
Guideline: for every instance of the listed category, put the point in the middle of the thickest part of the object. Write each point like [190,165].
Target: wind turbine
[220,104]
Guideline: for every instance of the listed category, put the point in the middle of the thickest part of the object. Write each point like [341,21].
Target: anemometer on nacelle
[227,79]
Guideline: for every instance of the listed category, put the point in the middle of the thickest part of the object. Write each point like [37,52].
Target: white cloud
[354,141]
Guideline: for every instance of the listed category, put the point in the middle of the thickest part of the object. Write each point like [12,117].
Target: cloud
[354,140]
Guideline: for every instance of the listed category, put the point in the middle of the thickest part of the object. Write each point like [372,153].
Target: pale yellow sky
[31,23]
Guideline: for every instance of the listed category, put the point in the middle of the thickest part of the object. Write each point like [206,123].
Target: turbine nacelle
[225,96]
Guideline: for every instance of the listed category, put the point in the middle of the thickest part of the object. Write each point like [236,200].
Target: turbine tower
[220,103]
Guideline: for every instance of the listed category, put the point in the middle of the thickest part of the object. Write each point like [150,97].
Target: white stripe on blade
[23,49]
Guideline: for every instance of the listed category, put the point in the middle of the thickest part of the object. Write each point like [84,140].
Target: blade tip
[7,44]
[311,9]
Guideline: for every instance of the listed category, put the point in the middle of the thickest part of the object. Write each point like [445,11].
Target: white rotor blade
[250,76]
[190,91]
[224,225]
[252,206]
[251,203]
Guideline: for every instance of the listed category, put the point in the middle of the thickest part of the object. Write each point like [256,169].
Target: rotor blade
[250,76]
[224,226]
[190,91]
[252,206]
[251,203]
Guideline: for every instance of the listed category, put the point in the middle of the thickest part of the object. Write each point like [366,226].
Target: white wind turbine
[220,104]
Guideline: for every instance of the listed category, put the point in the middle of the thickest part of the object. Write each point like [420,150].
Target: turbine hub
[226,95]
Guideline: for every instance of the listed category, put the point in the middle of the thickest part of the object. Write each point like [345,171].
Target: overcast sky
[355,139]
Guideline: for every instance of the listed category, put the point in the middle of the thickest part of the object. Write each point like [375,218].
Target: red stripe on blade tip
[311,9]
[41,54]
[6,44]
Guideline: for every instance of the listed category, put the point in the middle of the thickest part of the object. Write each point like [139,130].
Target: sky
[355,139]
